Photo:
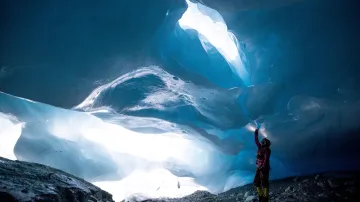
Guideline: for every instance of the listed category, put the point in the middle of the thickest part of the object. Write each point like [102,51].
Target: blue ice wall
[307,45]
[127,78]
[71,47]
[185,54]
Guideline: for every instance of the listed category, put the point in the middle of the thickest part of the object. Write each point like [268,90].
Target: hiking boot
[265,199]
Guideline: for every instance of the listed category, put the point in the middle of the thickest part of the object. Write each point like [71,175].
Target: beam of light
[252,127]
[9,134]
[263,132]
[214,32]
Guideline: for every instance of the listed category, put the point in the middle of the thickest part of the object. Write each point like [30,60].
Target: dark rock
[305,181]
[4,196]
[351,190]
[321,184]
[332,184]
[350,183]
[21,181]
[25,181]
[250,198]
[288,189]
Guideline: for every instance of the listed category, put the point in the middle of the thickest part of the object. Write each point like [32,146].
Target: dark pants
[261,178]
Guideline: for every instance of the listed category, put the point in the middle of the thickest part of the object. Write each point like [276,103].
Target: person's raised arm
[257,138]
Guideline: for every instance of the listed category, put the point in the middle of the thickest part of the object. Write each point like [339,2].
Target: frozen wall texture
[161,99]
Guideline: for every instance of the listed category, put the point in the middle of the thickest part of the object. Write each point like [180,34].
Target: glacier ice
[213,33]
[196,41]
[108,145]
[185,122]
[66,139]
[166,96]
[10,132]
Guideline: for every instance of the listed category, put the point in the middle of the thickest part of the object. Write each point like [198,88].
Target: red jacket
[263,154]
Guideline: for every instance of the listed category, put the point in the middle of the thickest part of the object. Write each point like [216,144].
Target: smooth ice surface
[165,102]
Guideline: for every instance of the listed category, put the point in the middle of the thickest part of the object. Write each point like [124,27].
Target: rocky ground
[330,187]
[21,181]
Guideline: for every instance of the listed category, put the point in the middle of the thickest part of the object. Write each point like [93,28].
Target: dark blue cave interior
[109,74]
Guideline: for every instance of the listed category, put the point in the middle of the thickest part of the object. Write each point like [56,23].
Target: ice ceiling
[164,103]
[213,33]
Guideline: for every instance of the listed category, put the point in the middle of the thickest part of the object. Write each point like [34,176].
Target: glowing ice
[105,145]
[213,30]
[10,132]
[95,144]
[150,183]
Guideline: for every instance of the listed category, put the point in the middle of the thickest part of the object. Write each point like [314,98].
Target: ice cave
[161,98]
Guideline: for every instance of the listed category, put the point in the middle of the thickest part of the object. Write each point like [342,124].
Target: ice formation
[213,33]
[186,122]
[115,150]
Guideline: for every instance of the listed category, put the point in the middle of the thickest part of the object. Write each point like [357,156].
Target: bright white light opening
[212,29]
[154,183]
[150,178]
[251,127]
[9,134]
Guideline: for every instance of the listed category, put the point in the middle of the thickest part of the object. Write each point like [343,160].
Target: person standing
[261,179]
